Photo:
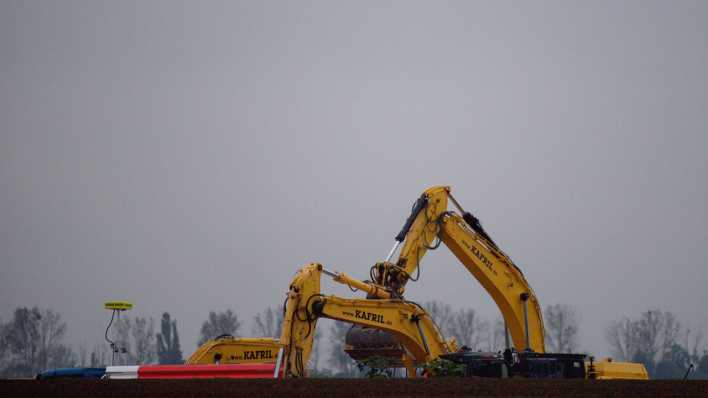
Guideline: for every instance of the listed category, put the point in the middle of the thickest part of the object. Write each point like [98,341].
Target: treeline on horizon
[32,341]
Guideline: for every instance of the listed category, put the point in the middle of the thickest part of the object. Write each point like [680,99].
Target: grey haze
[190,156]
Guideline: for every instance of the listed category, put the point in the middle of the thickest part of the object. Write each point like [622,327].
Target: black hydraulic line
[308,316]
[419,205]
[113,344]
[476,226]
[109,327]
[472,221]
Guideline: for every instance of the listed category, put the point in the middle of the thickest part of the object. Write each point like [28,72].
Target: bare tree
[269,322]
[339,359]
[219,323]
[670,331]
[561,322]
[135,340]
[676,358]
[145,349]
[441,314]
[497,338]
[647,340]
[168,347]
[62,356]
[82,355]
[99,356]
[468,329]
[697,338]
[33,341]
[622,336]
[313,365]
[649,330]
[21,335]
[121,337]
[702,365]
[51,331]
[656,332]
[3,348]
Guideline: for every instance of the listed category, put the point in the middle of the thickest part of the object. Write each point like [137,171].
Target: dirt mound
[345,388]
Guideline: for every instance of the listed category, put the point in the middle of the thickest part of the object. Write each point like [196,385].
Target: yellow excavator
[386,324]
[415,338]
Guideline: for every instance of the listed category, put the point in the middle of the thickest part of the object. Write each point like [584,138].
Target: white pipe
[277,363]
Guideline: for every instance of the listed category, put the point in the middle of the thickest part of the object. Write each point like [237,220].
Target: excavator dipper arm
[501,279]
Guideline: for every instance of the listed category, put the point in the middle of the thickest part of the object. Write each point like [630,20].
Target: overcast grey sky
[192,156]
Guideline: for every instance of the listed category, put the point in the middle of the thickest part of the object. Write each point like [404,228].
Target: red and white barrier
[121,372]
[237,371]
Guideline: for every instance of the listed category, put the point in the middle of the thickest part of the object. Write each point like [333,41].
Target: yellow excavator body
[608,369]
[232,350]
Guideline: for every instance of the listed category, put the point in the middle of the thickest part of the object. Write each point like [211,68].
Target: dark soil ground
[345,388]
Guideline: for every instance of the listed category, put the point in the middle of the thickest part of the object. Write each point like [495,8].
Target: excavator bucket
[362,343]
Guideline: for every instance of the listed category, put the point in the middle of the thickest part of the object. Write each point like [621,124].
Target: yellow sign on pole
[118,305]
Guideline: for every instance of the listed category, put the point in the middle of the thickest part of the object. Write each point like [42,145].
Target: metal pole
[114,345]
[118,348]
[333,274]
[455,202]
[422,337]
[393,250]
[277,363]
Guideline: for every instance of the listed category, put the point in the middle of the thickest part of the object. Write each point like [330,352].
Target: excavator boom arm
[431,221]
[501,279]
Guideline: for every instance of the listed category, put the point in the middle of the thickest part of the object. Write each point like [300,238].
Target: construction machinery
[386,324]
[226,349]
[413,338]
[432,223]
[416,339]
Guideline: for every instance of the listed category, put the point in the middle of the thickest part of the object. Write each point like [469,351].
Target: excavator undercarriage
[362,343]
